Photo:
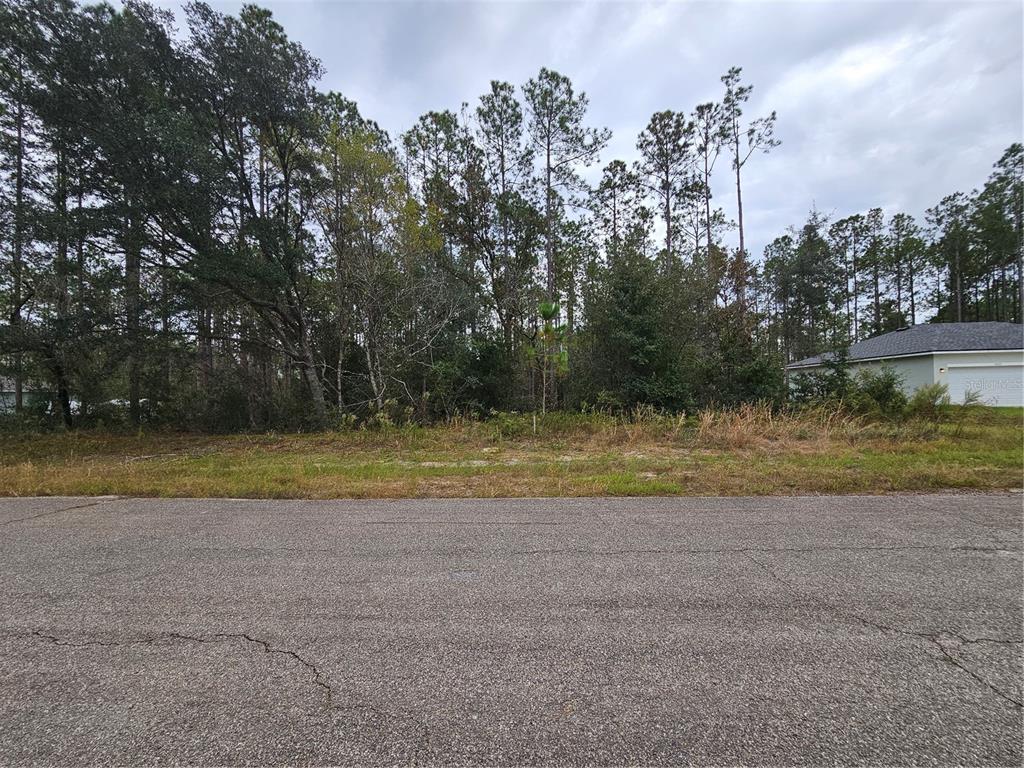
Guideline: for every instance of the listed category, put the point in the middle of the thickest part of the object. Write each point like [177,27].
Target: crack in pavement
[961,639]
[935,638]
[55,511]
[459,522]
[771,572]
[747,550]
[999,692]
[318,679]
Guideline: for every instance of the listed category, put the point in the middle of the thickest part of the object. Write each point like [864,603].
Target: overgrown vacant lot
[750,451]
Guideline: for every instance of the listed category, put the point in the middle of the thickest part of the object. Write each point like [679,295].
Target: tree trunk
[19,239]
[338,399]
[373,372]
[707,208]
[856,295]
[312,378]
[63,396]
[899,284]
[80,254]
[668,219]
[204,332]
[1019,296]
[165,323]
[549,247]
[343,305]
[58,364]
[133,290]
[544,386]
[958,289]
[739,194]
[850,326]
[877,297]
[615,223]
[570,303]
[910,287]
[316,392]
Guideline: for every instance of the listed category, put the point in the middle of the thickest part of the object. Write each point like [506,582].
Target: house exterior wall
[916,371]
[997,375]
[30,399]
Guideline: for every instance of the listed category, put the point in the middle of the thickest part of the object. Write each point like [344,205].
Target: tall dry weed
[758,424]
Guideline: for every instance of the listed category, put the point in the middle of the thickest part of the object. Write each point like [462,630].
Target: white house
[32,394]
[987,358]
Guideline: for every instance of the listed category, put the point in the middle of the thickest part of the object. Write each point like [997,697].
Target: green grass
[745,452]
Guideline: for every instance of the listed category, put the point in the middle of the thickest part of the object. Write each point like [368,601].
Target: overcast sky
[880,103]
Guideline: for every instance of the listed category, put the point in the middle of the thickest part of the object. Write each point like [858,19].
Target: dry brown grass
[758,425]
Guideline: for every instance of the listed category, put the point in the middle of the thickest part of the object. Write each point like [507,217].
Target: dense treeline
[190,229]
[829,284]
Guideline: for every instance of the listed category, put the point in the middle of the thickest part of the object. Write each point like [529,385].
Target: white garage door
[997,384]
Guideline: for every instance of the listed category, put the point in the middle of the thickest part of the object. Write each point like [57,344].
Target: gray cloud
[890,104]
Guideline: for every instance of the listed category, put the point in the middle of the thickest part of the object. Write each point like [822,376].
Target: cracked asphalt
[817,630]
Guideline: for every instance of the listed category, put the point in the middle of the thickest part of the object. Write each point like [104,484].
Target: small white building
[987,358]
[32,394]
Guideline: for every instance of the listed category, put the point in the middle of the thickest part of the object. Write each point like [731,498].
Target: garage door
[997,384]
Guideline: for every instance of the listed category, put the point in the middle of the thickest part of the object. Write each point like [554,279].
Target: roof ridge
[931,338]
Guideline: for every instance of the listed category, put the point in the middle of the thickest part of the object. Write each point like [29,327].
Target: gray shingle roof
[931,337]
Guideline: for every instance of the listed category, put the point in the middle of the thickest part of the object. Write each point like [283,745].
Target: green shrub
[972,399]
[873,393]
[509,426]
[832,383]
[878,393]
[927,402]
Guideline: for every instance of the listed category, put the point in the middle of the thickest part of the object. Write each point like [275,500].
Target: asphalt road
[821,630]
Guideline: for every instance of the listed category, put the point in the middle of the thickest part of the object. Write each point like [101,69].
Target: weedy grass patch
[751,450]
